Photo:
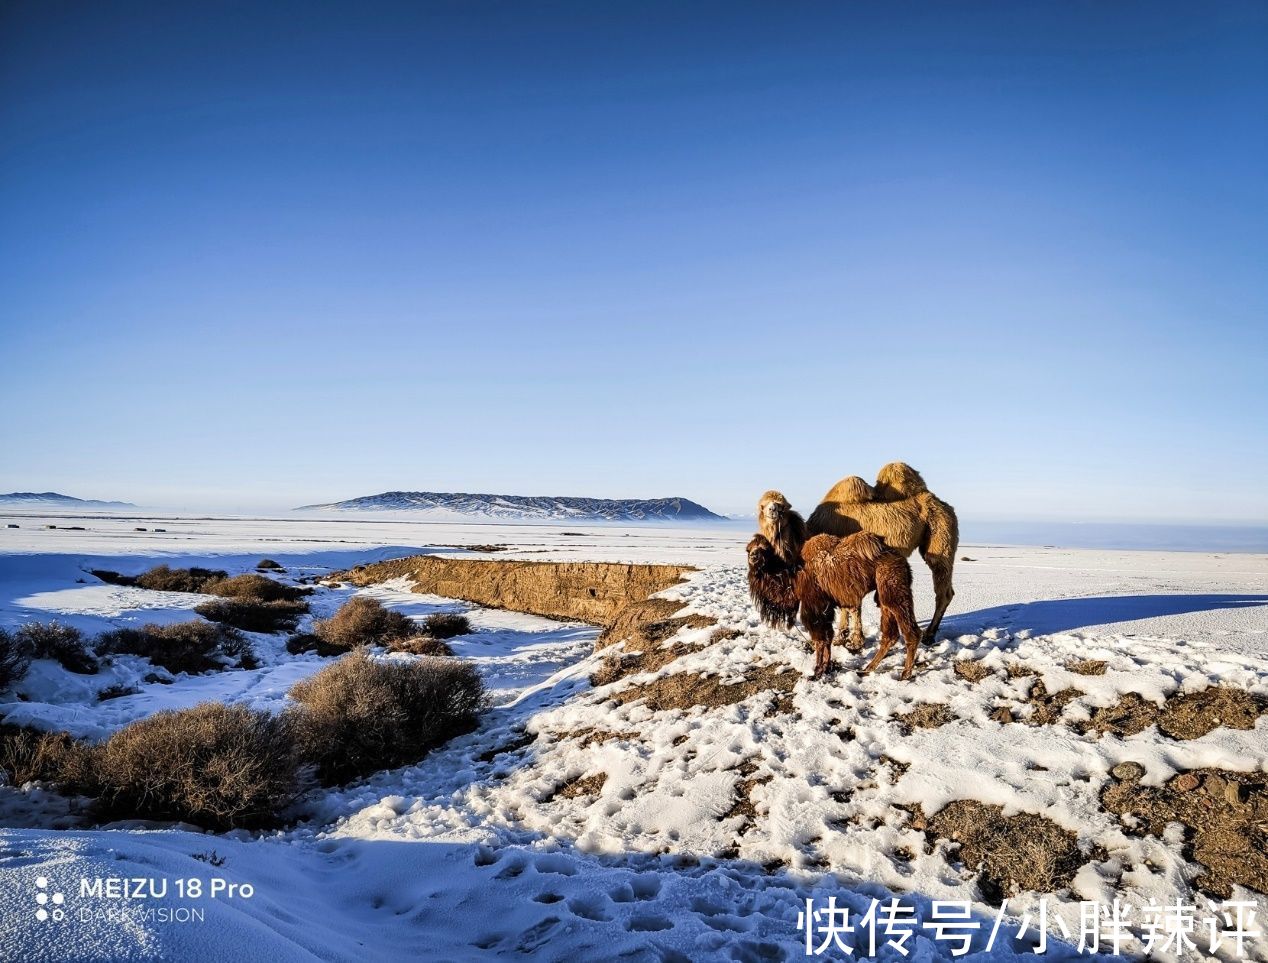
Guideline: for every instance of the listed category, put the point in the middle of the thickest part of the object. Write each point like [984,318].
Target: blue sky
[258,255]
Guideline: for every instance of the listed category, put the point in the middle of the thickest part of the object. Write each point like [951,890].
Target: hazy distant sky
[263,254]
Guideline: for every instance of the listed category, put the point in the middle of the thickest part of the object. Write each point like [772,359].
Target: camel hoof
[855,645]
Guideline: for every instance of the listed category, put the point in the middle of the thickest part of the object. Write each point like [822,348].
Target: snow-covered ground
[476,852]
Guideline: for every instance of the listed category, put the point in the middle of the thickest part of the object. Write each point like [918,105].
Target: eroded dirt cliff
[594,592]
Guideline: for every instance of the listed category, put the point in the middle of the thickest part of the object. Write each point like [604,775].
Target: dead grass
[1088,666]
[590,785]
[1011,853]
[420,645]
[688,690]
[970,670]
[927,715]
[1226,814]
[648,623]
[1188,716]
[1046,707]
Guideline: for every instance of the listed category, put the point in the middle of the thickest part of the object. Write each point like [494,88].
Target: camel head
[782,527]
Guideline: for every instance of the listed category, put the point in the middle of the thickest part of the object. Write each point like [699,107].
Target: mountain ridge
[57,498]
[576,508]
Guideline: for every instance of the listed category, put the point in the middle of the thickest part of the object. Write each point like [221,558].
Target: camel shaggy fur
[900,509]
[836,572]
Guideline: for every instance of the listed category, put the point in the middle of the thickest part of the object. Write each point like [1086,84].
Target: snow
[471,853]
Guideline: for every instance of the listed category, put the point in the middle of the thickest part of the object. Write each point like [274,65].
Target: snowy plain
[473,853]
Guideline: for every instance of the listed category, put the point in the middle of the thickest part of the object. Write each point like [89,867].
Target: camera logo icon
[43,898]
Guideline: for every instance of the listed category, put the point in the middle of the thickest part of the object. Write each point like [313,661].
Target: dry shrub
[28,755]
[256,588]
[420,645]
[252,615]
[1014,853]
[268,564]
[446,625]
[192,647]
[162,578]
[363,621]
[215,765]
[361,714]
[62,643]
[15,659]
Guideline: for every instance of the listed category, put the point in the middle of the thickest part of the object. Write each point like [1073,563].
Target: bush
[361,714]
[445,625]
[15,659]
[215,765]
[420,645]
[161,578]
[267,564]
[28,755]
[251,615]
[363,621]
[257,588]
[62,643]
[192,647]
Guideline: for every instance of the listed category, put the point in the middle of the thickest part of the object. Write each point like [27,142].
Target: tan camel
[900,509]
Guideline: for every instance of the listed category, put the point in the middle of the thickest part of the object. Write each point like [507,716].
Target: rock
[1128,770]
[1234,793]
[1185,782]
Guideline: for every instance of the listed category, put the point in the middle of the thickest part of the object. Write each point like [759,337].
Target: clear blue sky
[263,254]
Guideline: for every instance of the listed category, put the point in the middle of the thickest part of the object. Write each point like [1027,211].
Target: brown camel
[900,509]
[835,572]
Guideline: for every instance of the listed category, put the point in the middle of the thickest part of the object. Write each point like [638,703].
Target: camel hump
[850,490]
[865,545]
[899,480]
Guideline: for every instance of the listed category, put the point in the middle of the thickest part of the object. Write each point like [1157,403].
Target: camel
[835,572]
[900,509]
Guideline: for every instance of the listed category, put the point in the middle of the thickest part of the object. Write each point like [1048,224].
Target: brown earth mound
[687,690]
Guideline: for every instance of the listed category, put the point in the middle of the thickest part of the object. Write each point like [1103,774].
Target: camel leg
[887,639]
[906,620]
[857,640]
[941,566]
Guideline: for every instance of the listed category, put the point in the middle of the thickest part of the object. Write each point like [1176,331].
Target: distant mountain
[39,499]
[526,507]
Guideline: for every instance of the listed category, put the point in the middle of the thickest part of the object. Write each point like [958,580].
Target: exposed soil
[687,690]
[593,592]
[1225,815]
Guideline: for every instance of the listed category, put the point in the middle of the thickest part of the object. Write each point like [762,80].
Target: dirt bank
[593,592]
